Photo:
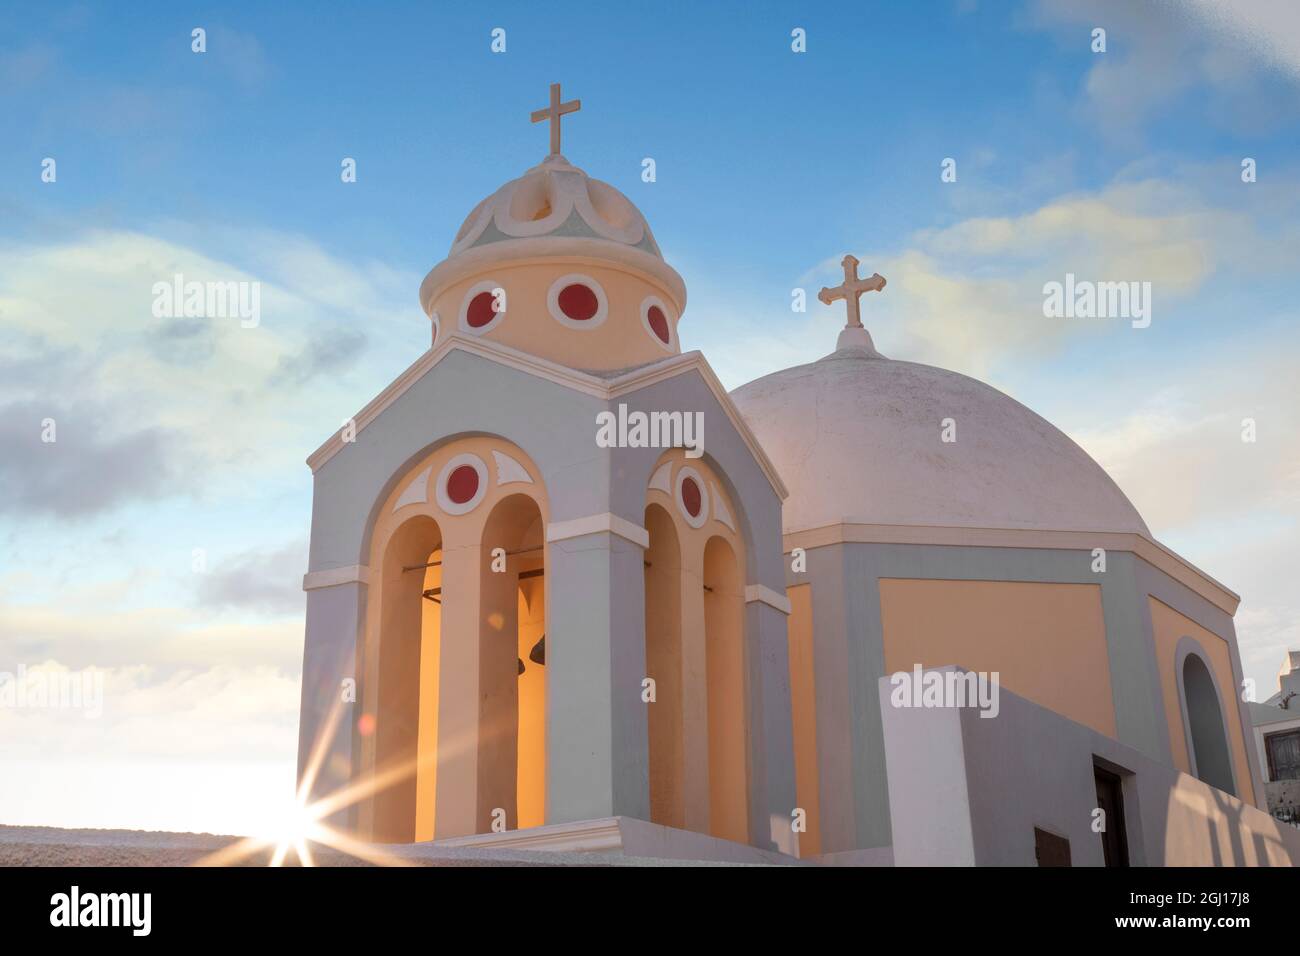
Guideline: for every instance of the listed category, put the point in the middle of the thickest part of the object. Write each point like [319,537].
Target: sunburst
[303,821]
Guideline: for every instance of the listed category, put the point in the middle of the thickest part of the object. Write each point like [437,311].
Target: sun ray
[321,746]
[303,825]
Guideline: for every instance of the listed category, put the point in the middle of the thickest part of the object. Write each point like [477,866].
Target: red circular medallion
[659,323]
[578,302]
[462,484]
[691,496]
[482,310]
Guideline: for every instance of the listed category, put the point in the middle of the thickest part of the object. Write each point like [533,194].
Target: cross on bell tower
[853,334]
[553,112]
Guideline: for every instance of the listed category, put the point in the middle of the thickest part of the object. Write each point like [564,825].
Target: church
[529,627]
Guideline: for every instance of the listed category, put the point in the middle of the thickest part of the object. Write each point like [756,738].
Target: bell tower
[544,629]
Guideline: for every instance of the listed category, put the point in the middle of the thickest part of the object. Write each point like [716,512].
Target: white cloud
[80,334]
[1180,456]
[200,671]
[207,749]
[112,633]
[220,711]
[1268,31]
[1157,52]
[970,295]
[1230,507]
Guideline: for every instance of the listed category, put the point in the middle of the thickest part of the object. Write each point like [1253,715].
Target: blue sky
[770,165]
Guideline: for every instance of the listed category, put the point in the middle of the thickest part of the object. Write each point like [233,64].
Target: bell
[538,654]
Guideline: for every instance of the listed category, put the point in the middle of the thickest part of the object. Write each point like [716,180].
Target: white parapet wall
[970,790]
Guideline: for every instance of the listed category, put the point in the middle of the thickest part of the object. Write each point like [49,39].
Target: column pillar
[498,697]
[457,810]
[597,741]
[772,796]
[335,610]
[694,691]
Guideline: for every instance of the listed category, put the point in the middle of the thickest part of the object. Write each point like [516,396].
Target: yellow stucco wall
[439,694]
[1168,627]
[707,662]
[620,341]
[1047,641]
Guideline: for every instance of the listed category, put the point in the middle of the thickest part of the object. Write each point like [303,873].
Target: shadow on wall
[1204,826]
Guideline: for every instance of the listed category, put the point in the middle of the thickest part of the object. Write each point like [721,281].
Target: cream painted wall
[712,691]
[620,341]
[803,700]
[664,665]
[1047,641]
[1169,627]
[452,691]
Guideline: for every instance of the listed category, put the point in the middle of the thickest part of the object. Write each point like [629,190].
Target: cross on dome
[851,290]
[553,112]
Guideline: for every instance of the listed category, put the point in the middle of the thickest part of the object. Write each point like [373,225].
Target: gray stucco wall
[849,656]
[992,780]
[1154,582]
[334,621]
[597,737]
[467,394]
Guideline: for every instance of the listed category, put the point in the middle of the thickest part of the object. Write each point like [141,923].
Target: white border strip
[1144,546]
[355,573]
[763,593]
[594,524]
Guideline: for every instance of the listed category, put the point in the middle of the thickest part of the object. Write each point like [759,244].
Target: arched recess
[408,655]
[512,677]
[474,750]
[1207,736]
[663,637]
[724,628]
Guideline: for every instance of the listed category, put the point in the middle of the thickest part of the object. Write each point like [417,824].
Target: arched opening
[1209,744]
[512,662]
[724,614]
[663,651]
[405,732]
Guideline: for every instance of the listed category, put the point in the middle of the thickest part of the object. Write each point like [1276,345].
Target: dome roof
[555,198]
[554,209]
[856,437]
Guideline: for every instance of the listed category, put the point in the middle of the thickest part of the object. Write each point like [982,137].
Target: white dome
[857,438]
[555,198]
[553,210]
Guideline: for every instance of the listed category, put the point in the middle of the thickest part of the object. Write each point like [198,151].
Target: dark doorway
[1283,755]
[1050,849]
[1110,798]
